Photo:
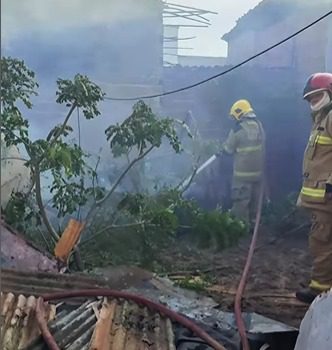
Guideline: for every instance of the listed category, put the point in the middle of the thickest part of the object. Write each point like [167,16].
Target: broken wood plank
[101,335]
[68,240]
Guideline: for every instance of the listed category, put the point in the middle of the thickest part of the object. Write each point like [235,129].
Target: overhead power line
[225,71]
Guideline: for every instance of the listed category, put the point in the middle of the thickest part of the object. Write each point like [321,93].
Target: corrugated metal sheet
[39,283]
[130,327]
[18,322]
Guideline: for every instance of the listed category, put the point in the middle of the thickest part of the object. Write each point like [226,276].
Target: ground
[280,266]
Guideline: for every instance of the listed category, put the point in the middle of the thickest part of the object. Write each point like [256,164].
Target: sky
[208,40]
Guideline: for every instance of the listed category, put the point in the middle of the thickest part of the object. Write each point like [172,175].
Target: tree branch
[15,158]
[120,178]
[62,128]
[45,240]
[109,227]
[182,188]
[14,135]
[42,210]
[117,182]
[52,142]
[94,178]
[134,179]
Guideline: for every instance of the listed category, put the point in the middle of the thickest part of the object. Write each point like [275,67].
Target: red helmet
[318,82]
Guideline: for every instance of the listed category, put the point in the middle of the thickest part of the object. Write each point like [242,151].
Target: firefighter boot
[307,295]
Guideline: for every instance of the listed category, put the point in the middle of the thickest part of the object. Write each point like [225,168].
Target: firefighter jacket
[317,163]
[246,143]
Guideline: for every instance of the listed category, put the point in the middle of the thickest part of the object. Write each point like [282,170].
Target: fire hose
[239,292]
[173,316]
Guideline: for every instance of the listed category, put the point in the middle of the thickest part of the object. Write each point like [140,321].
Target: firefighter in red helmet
[316,192]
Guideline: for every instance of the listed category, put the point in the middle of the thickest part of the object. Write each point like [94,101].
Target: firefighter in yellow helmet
[246,143]
[316,192]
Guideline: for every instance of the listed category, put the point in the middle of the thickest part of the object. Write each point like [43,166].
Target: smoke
[19,15]
[113,42]
[41,17]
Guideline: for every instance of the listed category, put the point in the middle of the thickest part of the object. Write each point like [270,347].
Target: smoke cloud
[52,15]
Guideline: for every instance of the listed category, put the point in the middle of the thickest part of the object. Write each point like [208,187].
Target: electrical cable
[223,72]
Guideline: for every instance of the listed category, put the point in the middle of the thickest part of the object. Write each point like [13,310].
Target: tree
[64,161]
[136,137]
[152,218]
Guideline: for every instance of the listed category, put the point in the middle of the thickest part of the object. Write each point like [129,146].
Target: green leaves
[21,212]
[146,224]
[67,163]
[17,83]
[159,220]
[164,214]
[80,92]
[57,130]
[67,197]
[218,229]
[70,158]
[140,131]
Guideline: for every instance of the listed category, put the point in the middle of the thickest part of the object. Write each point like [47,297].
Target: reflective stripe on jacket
[317,162]
[245,142]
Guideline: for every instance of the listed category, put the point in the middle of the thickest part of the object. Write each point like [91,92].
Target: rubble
[25,256]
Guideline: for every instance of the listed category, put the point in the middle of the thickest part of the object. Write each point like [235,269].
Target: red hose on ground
[42,323]
[175,317]
[239,293]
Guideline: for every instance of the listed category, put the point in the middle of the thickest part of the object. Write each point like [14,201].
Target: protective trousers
[320,245]
[245,196]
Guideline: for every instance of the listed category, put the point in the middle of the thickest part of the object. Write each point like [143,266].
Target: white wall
[197,61]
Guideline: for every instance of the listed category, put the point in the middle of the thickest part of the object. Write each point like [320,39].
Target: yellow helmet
[240,108]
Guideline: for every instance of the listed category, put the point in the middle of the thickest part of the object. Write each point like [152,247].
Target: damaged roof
[269,12]
[76,324]
[19,325]
[265,14]
[39,283]
[123,325]
[112,324]
[82,322]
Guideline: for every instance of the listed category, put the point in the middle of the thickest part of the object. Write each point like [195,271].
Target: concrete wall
[308,52]
[277,100]
[241,47]
[329,48]
[197,61]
